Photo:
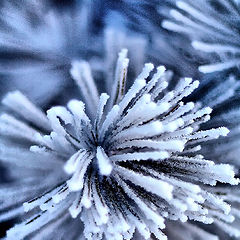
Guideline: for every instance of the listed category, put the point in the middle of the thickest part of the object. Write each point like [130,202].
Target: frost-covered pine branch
[212,27]
[122,162]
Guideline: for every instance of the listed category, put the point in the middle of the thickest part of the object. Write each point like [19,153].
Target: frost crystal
[120,162]
[213,28]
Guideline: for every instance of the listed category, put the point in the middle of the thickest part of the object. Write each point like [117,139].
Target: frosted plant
[174,48]
[120,163]
[38,43]
[213,28]
[49,39]
[220,93]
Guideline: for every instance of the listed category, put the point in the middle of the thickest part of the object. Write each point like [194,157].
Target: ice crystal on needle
[119,162]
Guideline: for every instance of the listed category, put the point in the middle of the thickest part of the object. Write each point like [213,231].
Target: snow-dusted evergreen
[213,28]
[120,162]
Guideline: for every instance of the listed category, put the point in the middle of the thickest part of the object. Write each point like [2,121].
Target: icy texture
[120,163]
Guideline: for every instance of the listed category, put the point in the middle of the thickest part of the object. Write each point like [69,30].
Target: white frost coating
[86,200]
[81,73]
[161,188]
[208,134]
[26,109]
[186,90]
[76,182]
[150,213]
[119,167]
[148,67]
[119,84]
[102,102]
[200,113]
[100,205]
[110,118]
[132,92]
[61,195]
[104,163]
[136,111]
[147,130]
[59,112]
[40,200]
[225,173]
[173,145]
[76,207]
[77,108]
[156,79]
[71,164]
